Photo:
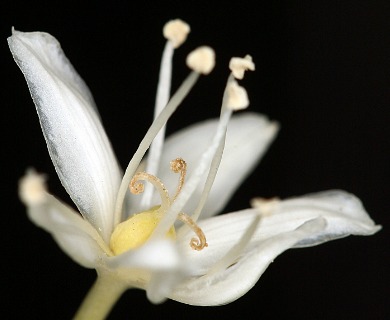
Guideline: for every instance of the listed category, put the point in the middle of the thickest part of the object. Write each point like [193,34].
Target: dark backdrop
[322,72]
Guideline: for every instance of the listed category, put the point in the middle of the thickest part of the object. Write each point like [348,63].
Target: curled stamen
[137,187]
[195,243]
[179,166]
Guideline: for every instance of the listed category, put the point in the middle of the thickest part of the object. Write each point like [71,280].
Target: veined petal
[230,284]
[77,143]
[248,137]
[343,212]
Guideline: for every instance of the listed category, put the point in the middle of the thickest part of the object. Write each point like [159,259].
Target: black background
[323,72]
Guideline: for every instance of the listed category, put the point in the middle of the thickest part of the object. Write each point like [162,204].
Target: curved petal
[343,212]
[238,279]
[73,234]
[248,137]
[77,143]
[155,256]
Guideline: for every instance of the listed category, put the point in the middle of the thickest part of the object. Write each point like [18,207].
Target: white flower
[240,245]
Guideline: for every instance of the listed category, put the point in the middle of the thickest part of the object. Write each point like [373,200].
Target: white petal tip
[201,60]
[176,31]
[238,66]
[237,97]
[32,188]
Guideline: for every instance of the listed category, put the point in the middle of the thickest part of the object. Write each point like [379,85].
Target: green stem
[101,298]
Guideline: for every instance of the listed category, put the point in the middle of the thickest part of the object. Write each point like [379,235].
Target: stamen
[265,206]
[195,243]
[137,187]
[176,32]
[192,183]
[179,166]
[162,98]
[216,159]
[157,124]
[238,66]
[201,60]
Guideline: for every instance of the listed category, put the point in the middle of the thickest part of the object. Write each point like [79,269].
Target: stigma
[136,230]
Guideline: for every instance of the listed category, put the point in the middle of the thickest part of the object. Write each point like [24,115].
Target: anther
[179,166]
[265,206]
[238,66]
[176,31]
[237,96]
[201,60]
[195,243]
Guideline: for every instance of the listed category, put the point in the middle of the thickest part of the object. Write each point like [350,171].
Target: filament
[162,98]
[157,124]
[232,255]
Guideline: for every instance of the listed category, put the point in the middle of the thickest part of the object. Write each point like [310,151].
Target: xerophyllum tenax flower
[154,227]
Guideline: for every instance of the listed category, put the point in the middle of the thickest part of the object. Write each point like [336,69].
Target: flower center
[136,230]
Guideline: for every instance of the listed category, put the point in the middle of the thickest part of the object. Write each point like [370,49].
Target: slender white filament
[214,164]
[233,254]
[162,98]
[193,181]
[157,124]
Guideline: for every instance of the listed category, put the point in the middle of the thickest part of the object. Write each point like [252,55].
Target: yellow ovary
[135,231]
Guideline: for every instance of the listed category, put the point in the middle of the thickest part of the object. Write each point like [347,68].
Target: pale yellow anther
[201,60]
[237,98]
[32,188]
[176,31]
[265,206]
[238,66]
[135,231]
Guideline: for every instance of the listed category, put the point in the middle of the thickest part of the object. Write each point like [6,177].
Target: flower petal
[77,143]
[73,234]
[248,137]
[230,284]
[343,212]
[154,256]
[156,267]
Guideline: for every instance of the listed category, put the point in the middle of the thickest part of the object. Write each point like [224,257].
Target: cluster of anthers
[139,227]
